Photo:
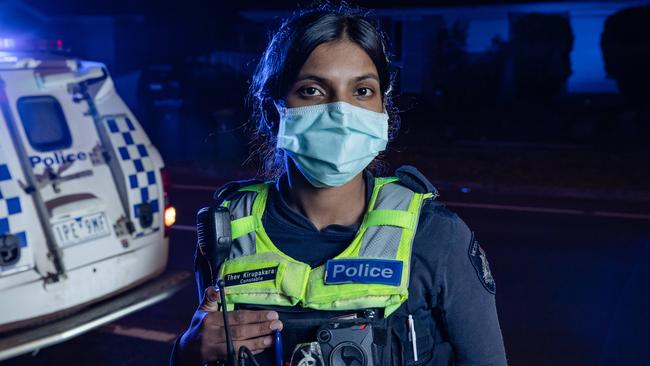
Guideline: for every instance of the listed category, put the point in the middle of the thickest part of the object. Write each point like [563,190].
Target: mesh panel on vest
[375,239]
[244,245]
[394,197]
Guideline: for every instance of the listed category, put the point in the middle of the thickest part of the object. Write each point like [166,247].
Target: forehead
[338,60]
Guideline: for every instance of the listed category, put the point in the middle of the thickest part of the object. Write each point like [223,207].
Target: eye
[310,91]
[364,92]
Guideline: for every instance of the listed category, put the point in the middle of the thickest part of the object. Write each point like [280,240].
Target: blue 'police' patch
[370,271]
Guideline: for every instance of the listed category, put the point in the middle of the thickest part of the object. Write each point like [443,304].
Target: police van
[84,212]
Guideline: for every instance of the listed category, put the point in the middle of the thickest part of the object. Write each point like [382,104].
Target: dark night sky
[165,7]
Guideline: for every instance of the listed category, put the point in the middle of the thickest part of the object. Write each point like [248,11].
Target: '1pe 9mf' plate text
[81,229]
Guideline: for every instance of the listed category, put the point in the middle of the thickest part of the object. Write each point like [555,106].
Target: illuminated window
[44,123]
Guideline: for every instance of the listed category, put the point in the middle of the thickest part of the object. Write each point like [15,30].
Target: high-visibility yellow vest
[372,272]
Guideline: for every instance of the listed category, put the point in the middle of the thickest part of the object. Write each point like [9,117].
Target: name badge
[256,275]
[370,271]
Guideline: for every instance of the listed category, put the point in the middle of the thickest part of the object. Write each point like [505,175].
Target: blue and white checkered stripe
[12,219]
[140,174]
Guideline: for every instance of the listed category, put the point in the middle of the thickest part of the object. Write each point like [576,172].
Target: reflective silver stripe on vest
[383,241]
[241,207]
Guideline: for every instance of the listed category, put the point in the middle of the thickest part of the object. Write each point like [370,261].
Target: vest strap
[379,182]
[243,226]
[254,188]
[403,219]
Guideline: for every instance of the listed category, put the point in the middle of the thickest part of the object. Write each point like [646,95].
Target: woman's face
[337,71]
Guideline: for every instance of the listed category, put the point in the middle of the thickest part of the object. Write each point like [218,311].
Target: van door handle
[82,174]
[47,179]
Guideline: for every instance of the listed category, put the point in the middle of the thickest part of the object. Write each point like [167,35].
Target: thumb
[210,301]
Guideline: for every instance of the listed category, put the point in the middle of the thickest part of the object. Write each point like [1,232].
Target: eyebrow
[311,77]
[322,80]
[366,76]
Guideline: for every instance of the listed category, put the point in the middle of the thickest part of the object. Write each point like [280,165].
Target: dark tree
[625,43]
[541,47]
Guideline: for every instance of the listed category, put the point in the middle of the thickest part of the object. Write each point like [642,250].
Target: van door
[81,201]
[22,210]
[16,210]
[130,145]
[135,162]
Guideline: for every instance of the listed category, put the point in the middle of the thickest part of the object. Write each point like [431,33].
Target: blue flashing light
[465,189]
[19,44]
[7,43]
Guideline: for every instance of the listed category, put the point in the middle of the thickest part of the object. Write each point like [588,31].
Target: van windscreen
[44,123]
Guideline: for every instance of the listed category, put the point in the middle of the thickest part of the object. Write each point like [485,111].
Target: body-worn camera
[338,344]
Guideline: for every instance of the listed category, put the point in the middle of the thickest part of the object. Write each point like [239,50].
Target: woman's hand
[205,340]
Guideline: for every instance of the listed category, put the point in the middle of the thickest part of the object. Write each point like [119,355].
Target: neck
[344,205]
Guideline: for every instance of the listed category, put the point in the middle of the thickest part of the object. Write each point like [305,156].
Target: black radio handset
[214,237]
[214,240]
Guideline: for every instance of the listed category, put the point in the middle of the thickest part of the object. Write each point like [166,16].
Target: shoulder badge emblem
[479,261]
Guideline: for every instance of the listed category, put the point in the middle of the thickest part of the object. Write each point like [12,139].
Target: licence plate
[81,229]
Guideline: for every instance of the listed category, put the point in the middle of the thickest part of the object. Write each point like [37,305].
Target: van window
[44,123]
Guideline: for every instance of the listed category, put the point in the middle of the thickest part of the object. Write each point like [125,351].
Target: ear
[271,114]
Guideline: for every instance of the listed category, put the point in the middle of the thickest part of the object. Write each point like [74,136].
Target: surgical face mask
[331,143]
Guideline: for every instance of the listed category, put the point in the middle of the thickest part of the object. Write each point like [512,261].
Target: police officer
[324,237]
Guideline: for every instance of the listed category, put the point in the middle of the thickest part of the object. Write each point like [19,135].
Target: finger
[239,317]
[210,301]
[256,345]
[213,325]
[248,331]
[257,352]
[213,320]
[251,316]
[218,350]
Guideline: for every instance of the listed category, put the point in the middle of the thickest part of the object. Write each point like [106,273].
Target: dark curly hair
[283,58]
